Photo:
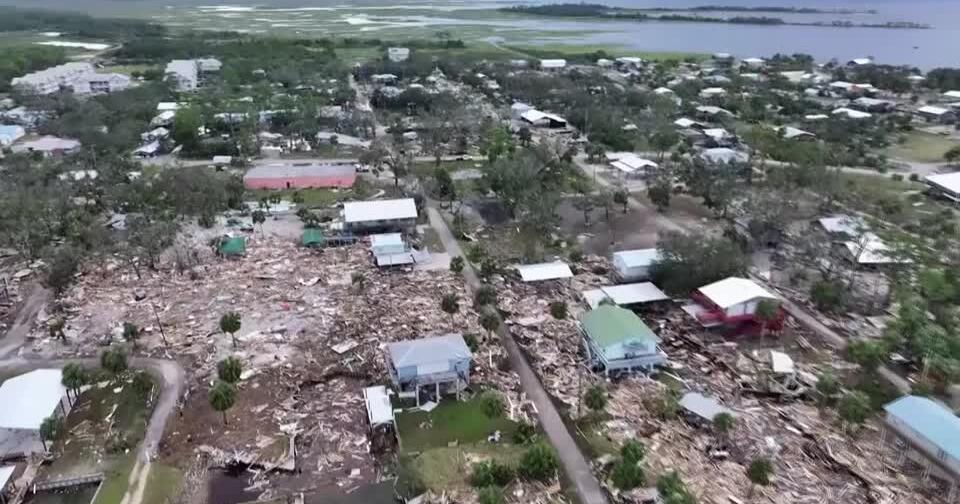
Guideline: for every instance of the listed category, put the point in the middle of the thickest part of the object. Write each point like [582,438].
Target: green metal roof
[235,246]
[609,325]
[312,237]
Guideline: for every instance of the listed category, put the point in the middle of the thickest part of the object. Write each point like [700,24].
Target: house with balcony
[440,362]
[617,341]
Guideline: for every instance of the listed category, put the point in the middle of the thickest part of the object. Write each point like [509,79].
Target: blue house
[929,430]
[441,361]
[616,340]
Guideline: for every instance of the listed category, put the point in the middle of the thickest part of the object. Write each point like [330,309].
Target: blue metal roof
[932,421]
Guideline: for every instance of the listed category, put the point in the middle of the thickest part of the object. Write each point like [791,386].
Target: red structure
[732,303]
[287,176]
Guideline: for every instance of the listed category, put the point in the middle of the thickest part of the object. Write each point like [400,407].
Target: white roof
[712,110]
[165,106]
[753,61]
[663,91]
[379,409]
[712,91]
[952,94]
[5,473]
[870,102]
[626,294]
[733,291]
[862,61]
[930,109]
[553,63]
[791,132]
[702,406]
[870,249]
[637,258]
[723,155]
[781,362]
[630,162]
[816,117]
[36,395]
[366,211]
[684,122]
[852,114]
[948,181]
[544,271]
[47,144]
[716,133]
[633,60]
[843,224]
[534,115]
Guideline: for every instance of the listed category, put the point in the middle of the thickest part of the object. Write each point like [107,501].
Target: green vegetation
[461,421]
[921,147]
[116,480]
[163,484]
[688,262]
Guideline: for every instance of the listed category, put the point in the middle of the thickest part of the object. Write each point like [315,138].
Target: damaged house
[441,361]
[731,302]
[616,340]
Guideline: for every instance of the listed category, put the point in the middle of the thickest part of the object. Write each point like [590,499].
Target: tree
[828,295]
[73,377]
[114,360]
[230,323]
[632,451]
[665,405]
[222,397]
[131,333]
[952,155]
[62,267]
[492,405]
[663,140]
[259,217]
[723,424]
[55,328]
[485,295]
[622,197]
[627,475]
[673,490]
[868,354]
[827,389]
[446,189]
[687,262]
[595,398]
[186,126]
[489,320]
[558,309]
[450,305]
[659,193]
[230,369]
[759,472]
[50,429]
[456,264]
[538,463]
[525,136]
[766,312]
[854,408]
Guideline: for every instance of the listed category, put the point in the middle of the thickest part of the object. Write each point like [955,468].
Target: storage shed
[634,265]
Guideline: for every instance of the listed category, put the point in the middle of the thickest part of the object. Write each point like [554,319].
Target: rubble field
[815,461]
[311,339]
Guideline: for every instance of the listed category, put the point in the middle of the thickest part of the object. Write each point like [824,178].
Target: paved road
[574,463]
[17,334]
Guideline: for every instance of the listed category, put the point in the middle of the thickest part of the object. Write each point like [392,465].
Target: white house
[712,92]
[398,54]
[629,163]
[188,75]
[394,214]
[97,83]
[53,79]
[634,265]
[851,113]
[732,299]
[10,134]
[723,155]
[29,399]
[553,64]
[945,184]
[545,119]
[937,114]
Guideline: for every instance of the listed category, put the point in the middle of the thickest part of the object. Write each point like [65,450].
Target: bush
[492,405]
[627,475]
[409,483]
[491,473]
[456,264]
[525,433]
[828,295]
[632,451]
[485,295]
[576,255]
[490,495]
[558,309]
[471,340]
[914,177]
[538,463]
[595,398]
[142,384]
[896,177]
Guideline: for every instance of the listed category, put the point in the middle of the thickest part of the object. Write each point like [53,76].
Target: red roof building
[290,176]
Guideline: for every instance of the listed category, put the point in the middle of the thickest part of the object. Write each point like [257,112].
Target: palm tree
[723,424]
[222,396]
[131,333]
[759,473]
[766,311]
[114,360]
[50,428]
[230,323]
[450,305]
[73,376]
[229,370]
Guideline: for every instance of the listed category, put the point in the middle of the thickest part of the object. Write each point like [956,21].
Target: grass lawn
[311,197]
[563,49]
[461,421]
[114,485]
[922,147]
[449,467]
[162,484]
